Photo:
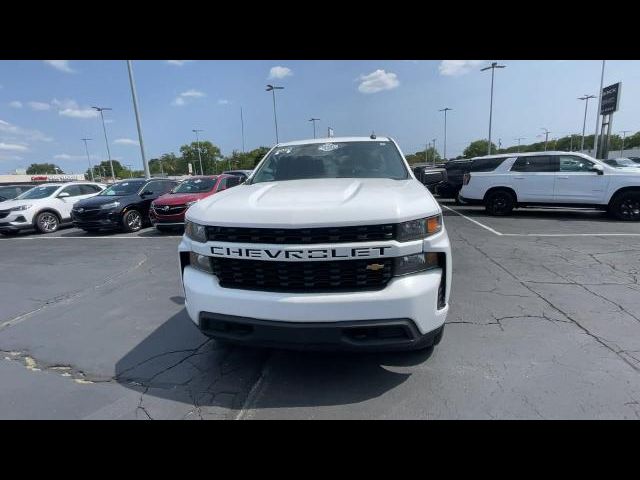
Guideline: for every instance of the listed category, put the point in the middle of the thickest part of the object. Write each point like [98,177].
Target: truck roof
[335,139]
[531,154]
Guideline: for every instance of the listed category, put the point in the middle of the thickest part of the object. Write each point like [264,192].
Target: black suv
[455,174]
[9,192]
[124,205]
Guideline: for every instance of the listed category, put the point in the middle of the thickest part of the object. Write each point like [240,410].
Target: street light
[104,129]
[445,110]
[196,131]
[546,137]
[314,120]
[88,158]
[624,134]
[584,123]
[493,67]
[434,150]
[272,89]
[134,96]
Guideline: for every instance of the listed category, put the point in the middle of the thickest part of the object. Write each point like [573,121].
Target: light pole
[434,150]
[584,122]
[196,131]
[130,170]
[272,89]
[519,138]
[546,137]
[242,126]
[104,129]
[88,158]
[624,134]
[445,110]
[134,97]
[314,120]
[493,67]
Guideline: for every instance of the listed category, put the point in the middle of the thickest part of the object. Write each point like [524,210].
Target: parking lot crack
[552,305]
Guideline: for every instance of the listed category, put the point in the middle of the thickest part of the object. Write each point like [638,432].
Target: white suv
[330,243]
[504,182]
[44,207]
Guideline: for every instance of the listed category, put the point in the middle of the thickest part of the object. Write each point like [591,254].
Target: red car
[167,212]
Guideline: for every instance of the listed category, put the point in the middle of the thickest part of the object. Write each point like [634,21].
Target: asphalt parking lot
[544,323]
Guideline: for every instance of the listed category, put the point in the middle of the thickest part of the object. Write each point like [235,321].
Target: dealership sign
[610,99]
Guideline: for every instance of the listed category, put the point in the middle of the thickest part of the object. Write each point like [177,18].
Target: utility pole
[584,122]
[518,139]
[314,120]
[88,157]
[134,97]
[196,131]
[434,151]
[493,67]
[106,140]
[242,124]
[546,138]
[445,110]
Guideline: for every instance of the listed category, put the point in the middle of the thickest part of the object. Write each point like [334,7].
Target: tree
[209,152]
[478,148]
[419,157]
[43,168]
[103,170]
[169,164]
[247,160]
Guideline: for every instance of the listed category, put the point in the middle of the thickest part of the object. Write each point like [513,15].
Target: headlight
[20,208]
[200,262]
[416,263]
[109,206]
[420,228]
[188,204]
[195,231]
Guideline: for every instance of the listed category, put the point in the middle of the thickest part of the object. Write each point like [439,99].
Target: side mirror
[63,194]
[598,169]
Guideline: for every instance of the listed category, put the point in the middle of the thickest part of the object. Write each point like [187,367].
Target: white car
[44,207]
[332,243]
[507,181]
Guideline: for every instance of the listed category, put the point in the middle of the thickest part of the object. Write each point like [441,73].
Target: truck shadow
[177,363]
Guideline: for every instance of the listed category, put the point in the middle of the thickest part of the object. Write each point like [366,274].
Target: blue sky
[45,105]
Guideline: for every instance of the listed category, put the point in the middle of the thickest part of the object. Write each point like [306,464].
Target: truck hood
[180,198]
[316,203]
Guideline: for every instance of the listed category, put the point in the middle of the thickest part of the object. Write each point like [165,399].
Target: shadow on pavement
[176,362]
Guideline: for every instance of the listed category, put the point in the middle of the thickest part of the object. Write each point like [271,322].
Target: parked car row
[128,205]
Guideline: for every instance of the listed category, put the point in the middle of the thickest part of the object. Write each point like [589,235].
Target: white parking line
[495,232]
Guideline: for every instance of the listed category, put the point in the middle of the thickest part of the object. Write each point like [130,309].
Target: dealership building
[35,179]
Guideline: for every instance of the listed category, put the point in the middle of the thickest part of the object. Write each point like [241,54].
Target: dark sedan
[124,205]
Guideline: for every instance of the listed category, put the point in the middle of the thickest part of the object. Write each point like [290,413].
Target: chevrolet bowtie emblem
[375,266]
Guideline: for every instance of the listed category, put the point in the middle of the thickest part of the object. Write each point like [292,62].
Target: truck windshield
[365,159]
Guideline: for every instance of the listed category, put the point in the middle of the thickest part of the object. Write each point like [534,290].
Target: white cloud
[13,147]
[62,65]
[378,81]
[10,132]
[223,101]
[70,108]
[66,156]
[39,106]
[15,104]
[178,63]
[125,141]
[458,67]
[180,100]
[279,72]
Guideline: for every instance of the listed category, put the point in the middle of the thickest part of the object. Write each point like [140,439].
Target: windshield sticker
[124,184]
[197,181]
[327,147]
[382,144]
[283,150]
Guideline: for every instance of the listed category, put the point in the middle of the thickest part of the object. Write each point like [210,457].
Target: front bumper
[16,221]
[97,219]
[158,220]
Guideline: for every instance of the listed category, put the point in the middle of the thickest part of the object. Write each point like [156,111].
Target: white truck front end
[340,263]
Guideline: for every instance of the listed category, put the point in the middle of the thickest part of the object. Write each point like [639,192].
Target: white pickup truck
[330,243]
[507,181]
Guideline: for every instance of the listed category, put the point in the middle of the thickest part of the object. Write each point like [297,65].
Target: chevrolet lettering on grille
[302,253]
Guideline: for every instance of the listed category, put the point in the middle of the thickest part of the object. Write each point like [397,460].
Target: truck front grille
[302,236]
[303,277]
